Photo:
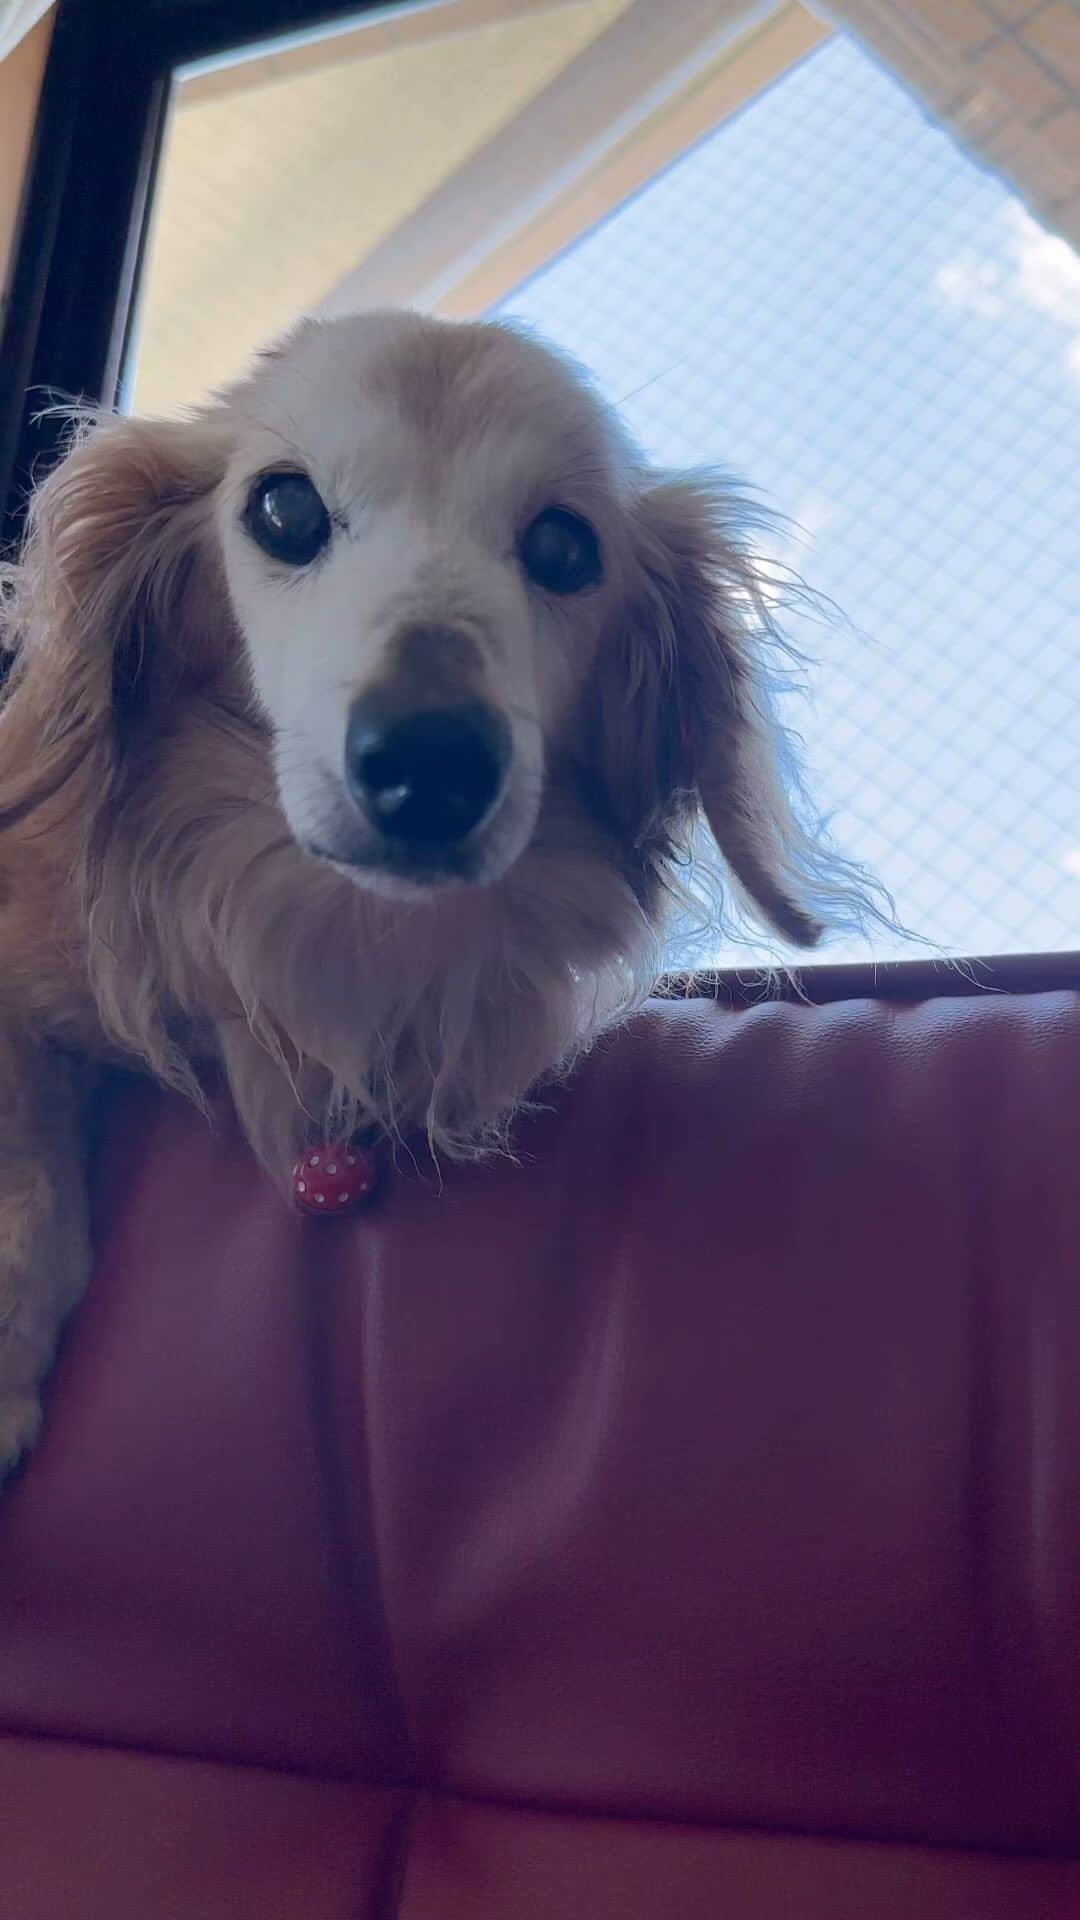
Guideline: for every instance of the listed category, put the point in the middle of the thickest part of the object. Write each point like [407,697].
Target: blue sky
[828,298]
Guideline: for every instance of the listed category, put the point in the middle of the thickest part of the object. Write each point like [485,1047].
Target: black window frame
[72,283]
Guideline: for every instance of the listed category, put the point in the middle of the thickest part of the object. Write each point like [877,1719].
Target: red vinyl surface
[682,1521]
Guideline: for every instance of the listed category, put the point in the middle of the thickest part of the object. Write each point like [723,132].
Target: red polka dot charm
[329,1180]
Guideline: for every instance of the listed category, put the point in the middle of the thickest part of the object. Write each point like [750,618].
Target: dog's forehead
[385,388]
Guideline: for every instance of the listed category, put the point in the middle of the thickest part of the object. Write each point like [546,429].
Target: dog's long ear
[696,726]
[100,607]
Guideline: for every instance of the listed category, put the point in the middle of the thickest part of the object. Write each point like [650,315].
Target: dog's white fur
[172,743]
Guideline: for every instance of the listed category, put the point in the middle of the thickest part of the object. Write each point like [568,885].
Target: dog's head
[461,594]
[423,565]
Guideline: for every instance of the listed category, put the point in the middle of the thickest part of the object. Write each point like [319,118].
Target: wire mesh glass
[829,298]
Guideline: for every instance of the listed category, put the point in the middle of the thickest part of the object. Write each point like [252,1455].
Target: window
[282,174]
[827,295]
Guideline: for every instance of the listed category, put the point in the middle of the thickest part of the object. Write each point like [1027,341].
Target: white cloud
[971,283]
[810,521]
[1048,269]
[1039,270]
[1070,861]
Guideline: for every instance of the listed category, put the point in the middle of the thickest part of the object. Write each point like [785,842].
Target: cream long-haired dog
[357,725]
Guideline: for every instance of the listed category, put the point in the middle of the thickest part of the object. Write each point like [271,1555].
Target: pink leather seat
[684,1521]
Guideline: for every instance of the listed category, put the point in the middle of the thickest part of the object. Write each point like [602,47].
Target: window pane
[282,173]
[776,263]
[828,296]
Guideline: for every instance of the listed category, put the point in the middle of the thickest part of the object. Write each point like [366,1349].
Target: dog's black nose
[425,777]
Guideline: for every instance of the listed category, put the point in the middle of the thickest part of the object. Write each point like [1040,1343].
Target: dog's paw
[20,1424]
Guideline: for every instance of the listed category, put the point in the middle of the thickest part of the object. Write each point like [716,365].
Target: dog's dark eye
[286,518]
[560,552]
